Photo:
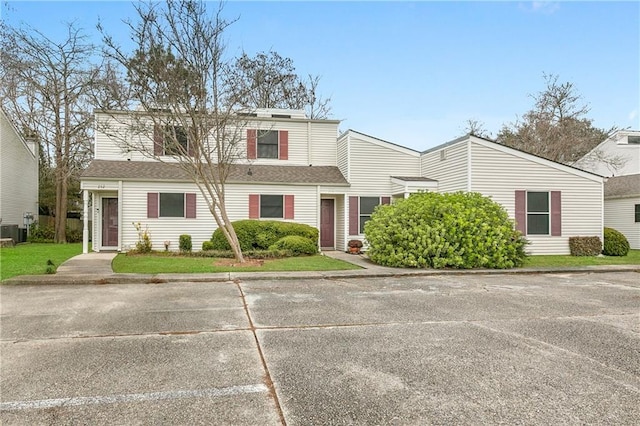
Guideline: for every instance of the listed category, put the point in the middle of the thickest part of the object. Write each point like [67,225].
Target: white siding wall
[343,157]
[201,228]
[499,175]
[18,176]
[614,148]
[341,211]
[619,214]
[452,172]
[323,144]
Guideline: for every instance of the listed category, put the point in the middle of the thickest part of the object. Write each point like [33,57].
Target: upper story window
[268,143]
[171,140]
[633,140]
[637,213]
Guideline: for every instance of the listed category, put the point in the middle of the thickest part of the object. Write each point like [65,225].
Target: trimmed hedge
[615,243]
[185,243]
[585,246]
[434,230]
[296,244]
[262,234]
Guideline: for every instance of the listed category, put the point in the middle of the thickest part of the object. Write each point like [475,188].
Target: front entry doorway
[327,224]
[109,222]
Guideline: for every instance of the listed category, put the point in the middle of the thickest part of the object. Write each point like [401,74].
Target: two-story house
[294,168]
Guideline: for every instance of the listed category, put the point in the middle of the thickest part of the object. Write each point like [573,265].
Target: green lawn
[633,258]
[31,259]
[158,264]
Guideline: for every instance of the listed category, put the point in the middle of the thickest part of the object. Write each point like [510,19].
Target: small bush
[207,245]
[185,243]
[296,244]
[615,243]
[51,267]
[585,246]
[262,234]
[47,234]
[143,245]
[434,230]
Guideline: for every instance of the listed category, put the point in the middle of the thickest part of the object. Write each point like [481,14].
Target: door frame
[334,223]
[100,220]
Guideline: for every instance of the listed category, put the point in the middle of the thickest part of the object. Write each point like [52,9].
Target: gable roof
[5,118]
[240,173]
[518,153]
[380,142]
[622,186]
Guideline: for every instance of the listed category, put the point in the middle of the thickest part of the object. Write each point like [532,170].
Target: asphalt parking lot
[516,349]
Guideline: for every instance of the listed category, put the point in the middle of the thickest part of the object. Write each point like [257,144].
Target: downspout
[119,215]
[469,186]
[85,221]
[94,237]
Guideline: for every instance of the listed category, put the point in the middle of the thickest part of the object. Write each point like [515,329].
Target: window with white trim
[272,206]
[637,213]
[268,143]
[367,205]
[538,213]
[172,204]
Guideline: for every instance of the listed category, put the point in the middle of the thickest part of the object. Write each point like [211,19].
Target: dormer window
[635,140]
[280,115]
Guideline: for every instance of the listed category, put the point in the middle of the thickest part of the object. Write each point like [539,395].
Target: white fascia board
[382,143]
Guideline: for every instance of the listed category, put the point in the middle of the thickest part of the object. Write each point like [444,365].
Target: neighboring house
[619,155]
[294,168]
[18,180]
[622,206]
[622,189]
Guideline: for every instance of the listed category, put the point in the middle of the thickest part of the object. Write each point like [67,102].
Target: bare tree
[177,78]
[270,81]
[556,128]
[476,128]
[45,91]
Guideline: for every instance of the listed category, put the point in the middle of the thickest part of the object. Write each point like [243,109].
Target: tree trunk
[60,222]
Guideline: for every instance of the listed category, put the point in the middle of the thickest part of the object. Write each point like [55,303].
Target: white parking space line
[133,397]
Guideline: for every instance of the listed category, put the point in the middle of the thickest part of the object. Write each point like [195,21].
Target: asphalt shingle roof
[240,173]
[622,186]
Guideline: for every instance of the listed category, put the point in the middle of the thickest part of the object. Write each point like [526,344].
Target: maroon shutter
[254,206]
[190,205]
[157,140]
[283,141]
[152,205]
[521,211]
[556,214]
[385,200]
[288,207]
[354,228]
[252,140]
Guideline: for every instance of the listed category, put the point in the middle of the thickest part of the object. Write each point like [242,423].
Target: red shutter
[288,207]
[283,141]
[152,205]
[254,206]
[190,208]
[157,140]
[521,211]
[252,140]
[385,200]
[556,214]
[354,228]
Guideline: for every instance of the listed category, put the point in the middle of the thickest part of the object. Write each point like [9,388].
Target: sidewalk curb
[102,279]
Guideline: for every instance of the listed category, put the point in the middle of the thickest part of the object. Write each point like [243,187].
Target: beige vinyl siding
[452,172]
[18,176]
[372,165]
[134,198]
[619,214]
[323,143]
[341,212]
[499,174]
[343,157]
[305,200]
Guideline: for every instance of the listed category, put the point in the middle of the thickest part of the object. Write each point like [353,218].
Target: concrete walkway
[95,268]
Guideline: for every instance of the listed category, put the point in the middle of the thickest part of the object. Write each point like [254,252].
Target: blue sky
[414,72]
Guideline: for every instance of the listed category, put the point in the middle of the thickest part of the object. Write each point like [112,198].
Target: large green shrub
[615,243]
[262,234]
[459,230]
[295,244]
[585,246]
